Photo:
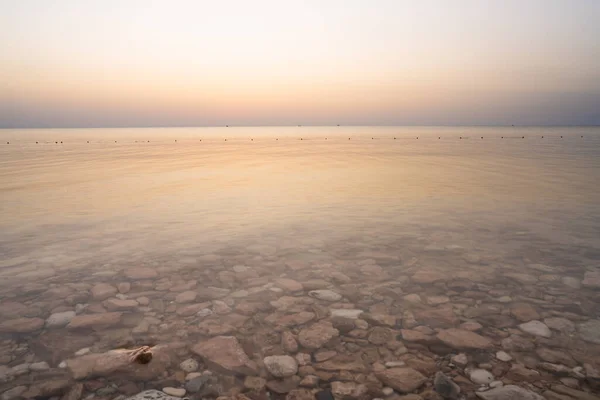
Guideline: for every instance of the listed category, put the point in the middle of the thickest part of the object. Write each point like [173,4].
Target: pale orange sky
[185,63]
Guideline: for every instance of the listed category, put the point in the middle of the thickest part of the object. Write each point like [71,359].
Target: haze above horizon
[147,63]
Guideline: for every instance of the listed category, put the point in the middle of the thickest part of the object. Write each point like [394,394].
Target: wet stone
[59,320]
[536,328]
[226,354]
[590,331]
[103,291]
[509,392]
[404,380]
[281,366]
[481,376]
[461,339]
[21,325]
[445,386]
[326,295]
[316,335]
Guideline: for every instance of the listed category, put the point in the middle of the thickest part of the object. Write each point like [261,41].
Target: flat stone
[176,392]
[345,313]
[439,317]
[517,343]
[348,390]
[21,325]
[560,324]
[152,395]
[412,298]
[461,339]
[289,285]
[94,321]
[281,366]
[591,279]
[226,354]
[404,380]
[536,328]
[60,319]
[509,392]
[426,276]
[211,293]
[481,377]
[524,312]
[326,295]
[316,335]
[435,300]
[139,273]
[578,394]
[48,388]
[14,393]
[191,309]
[39,366]
[590,331]
[342,363]
[120,305]
[556,356]
[503,356]
[186,297]
[103,291]
[571,282]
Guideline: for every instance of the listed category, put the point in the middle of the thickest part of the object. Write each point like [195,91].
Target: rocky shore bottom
[374,327]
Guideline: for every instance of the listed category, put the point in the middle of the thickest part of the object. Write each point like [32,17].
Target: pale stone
[536,328]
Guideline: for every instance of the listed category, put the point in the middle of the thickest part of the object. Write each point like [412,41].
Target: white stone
[152,395]
[388,391]
[460,359]
[39,366]
[481,377]
[325,294]
[503,356]
[171,391]
[536,328]
[82,352]
[189,365]
[346,313]
[60,319]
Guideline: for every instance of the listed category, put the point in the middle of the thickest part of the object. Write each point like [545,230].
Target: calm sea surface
[82,206]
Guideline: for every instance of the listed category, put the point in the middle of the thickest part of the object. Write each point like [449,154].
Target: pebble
[59,320]
[481,376]
[503,356]
[189,365]
[536,328]
[281,366]
[325,294]
[39,366]
[171,391]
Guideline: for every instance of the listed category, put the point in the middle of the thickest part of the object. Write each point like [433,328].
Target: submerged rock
[316,335]
[152,395]
[509,392]
[226,354]
[404,380]
[281,366]
[326,295]
[590,331]
[445,386]
[462,339]
[21,325]
[536,328]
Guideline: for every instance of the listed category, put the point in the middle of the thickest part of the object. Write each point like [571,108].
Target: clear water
[190,200]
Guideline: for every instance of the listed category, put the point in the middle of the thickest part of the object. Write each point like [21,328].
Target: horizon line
[308,126]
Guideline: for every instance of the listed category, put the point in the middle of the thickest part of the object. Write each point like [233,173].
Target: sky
[127,63]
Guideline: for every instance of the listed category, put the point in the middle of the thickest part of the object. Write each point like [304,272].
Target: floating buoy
[461,137]
[417,137]
[36,142]
[439,137]
[175,141]
[482,137]
[502,137]
[561,137]
[394,138]
[55,142]
[523,137]
[542,137]
[61,142]
[7,142]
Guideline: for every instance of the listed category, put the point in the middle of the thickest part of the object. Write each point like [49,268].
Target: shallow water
[375,204]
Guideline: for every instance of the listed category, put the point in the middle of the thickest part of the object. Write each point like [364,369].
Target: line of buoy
[326,138]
